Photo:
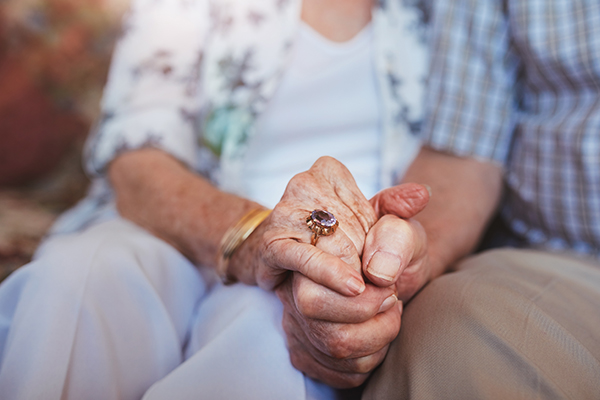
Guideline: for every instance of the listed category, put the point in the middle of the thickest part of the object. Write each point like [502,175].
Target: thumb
[404,201]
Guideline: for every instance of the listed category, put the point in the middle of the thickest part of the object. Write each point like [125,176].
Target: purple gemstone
[323,218]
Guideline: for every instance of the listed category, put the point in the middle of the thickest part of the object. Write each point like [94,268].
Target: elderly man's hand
[395,249]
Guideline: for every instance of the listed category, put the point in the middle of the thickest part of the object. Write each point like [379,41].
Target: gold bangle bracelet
[233,239]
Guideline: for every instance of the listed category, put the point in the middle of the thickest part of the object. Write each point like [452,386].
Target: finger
[347,190]
[359,365]
[372,354]
[319,303]
[341,246]
[323,268]
[299,356]
[349,223]
[390,248]
[333,366]
[310,360]
[302,360]
[291,224]
[342,341]
[346,242]
[404,201]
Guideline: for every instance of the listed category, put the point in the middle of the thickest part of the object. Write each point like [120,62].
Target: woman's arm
[158,193]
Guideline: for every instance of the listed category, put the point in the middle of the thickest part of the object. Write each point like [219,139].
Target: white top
[183,82]
[327,104]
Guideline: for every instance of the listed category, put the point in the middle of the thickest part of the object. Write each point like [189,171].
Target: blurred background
[54,57]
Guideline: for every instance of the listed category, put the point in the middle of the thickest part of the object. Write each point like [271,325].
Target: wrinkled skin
[282,242]
[338,333]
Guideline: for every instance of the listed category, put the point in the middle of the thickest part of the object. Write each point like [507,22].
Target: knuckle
[364,310]
[298,186]
[339,344]
[307,261]
[298,179]
[307,301]
[329,166]
[325,160]
[345,248]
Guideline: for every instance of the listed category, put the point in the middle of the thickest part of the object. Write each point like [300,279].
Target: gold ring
[321,223]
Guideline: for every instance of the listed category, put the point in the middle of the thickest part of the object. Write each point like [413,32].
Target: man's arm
[466,193]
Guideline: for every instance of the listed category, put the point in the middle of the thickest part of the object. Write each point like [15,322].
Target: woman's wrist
[234,238]
[158,193]
[244,262]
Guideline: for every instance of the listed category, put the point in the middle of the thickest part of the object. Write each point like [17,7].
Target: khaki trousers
[508,324]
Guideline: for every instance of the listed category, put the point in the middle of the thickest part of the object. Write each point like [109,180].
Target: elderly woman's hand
[282,242]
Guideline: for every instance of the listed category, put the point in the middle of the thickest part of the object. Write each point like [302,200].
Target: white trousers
[115,313]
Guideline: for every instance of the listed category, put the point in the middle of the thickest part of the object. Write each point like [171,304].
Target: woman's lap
[109,312]
[237,350]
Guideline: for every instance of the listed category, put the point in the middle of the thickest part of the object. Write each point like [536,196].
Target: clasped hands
[343,297]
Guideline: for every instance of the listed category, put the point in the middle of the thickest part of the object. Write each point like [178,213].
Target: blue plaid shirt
[517,82]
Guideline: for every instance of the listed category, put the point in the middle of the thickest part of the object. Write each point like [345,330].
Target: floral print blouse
[190,77]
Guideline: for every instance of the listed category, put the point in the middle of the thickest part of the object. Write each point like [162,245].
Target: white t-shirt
[327,104]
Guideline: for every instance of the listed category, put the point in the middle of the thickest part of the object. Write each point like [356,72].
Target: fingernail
[400,306]
[428,189]
[387,304]
[356,286]
[384,265]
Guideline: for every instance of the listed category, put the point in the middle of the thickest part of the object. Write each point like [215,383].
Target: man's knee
[494,329]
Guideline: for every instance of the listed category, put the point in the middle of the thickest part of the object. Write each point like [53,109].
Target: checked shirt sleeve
[470,100]
[152,94]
